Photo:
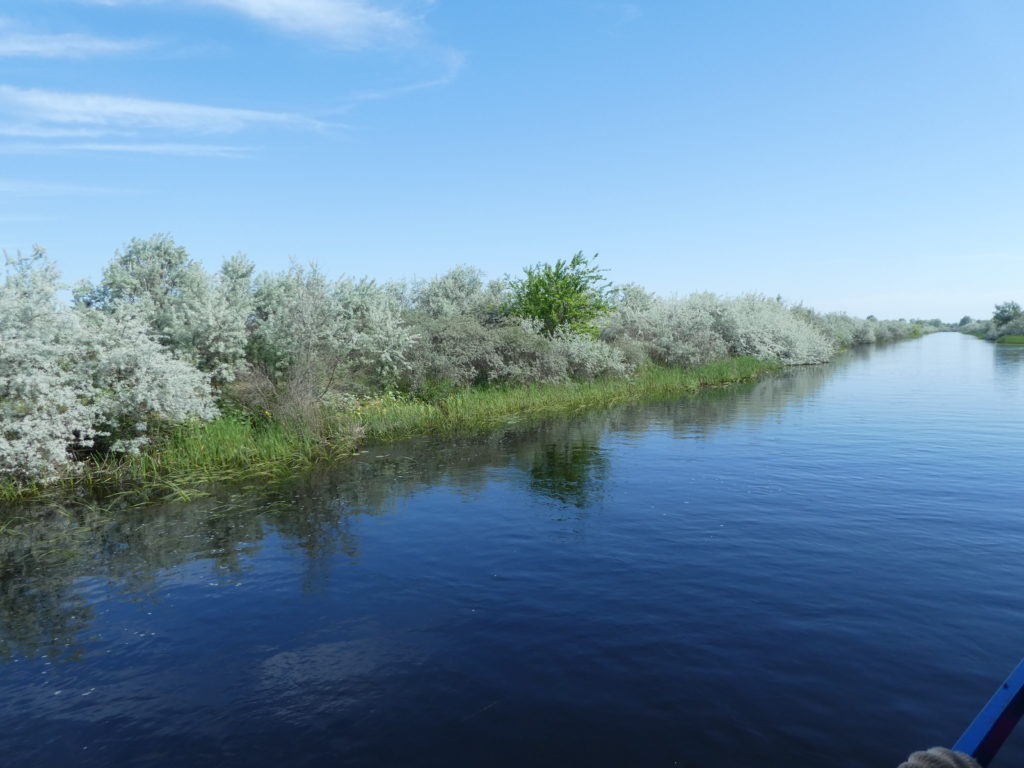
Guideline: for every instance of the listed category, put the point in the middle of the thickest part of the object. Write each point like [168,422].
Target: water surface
[821,569]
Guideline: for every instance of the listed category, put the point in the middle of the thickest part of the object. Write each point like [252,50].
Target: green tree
[1006,312]
[567,294]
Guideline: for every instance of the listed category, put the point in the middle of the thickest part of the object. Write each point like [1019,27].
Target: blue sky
[864,156]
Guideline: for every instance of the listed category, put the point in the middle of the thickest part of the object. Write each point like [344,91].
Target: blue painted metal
[995,722]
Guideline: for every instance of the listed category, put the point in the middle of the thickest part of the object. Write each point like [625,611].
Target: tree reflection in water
[51,562]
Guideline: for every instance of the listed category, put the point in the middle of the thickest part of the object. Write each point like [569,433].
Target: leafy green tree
[1006,312]
[567,294]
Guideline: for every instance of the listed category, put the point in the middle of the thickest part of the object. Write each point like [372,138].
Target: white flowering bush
[378,337]
[890,330]
[135,382]
[459,292]
[74,380]
[452,350]
[704,327]
[673,331]
[145,345]
[219,319]
[314,341]
[521,353]
[838,327]
[202,319]
[1014,327]
[587,357]
[43,409]
[769,330]
[463,338]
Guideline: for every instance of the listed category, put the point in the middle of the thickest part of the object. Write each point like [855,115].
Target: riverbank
[236,447]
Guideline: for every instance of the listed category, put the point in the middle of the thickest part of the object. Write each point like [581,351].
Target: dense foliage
[1007,323]
[567,294]
[74,380]
[160,342]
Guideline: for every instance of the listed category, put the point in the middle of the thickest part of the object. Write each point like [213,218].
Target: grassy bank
[1010,340]
[234,448]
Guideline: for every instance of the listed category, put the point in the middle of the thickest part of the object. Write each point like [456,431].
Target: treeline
[1006,324]
[160,342]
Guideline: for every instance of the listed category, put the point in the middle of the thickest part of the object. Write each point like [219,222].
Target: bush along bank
[1005,327]
[162,375]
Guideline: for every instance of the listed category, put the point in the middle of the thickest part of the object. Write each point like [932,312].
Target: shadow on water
[49,559]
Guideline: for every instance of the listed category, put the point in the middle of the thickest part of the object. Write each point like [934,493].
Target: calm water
[823,569]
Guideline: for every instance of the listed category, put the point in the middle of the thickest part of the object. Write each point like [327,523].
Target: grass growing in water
[484,408]
[235,447]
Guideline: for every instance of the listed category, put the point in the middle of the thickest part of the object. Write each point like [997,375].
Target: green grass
[233,447]
[1010,340]
[190,456]
[482,409]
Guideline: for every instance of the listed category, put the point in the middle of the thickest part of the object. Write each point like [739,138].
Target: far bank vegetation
[1005,327]
[162,359]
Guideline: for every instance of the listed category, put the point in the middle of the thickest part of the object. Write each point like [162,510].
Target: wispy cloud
[47,110]
[173,149]
[452,63]
[349,23]
[30,188]
[15,43]
[354,23]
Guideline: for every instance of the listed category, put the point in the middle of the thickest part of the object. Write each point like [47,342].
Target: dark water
[823,569]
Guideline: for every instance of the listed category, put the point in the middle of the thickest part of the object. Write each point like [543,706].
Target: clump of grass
[189,456]
[1010,340]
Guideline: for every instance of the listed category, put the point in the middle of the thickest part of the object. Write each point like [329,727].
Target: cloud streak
[173,149]
[350,23]
[45,110]
[26,188]
[452,63]
[353,23]
[62,46]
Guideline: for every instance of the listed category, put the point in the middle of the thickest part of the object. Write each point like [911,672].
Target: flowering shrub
[313,340]
[769,330]
[72,380]
[589,358]
[462,339]
[457,293]
[674,332]
[201,319]
[145,344]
